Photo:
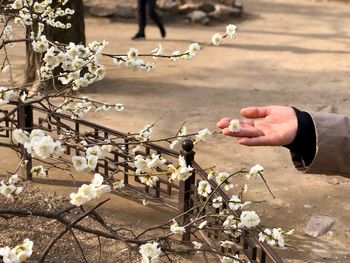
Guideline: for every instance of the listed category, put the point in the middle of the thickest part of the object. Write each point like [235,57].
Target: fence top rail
[110,131]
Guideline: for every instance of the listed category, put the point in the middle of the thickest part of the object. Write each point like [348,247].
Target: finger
[250,132]
[223,123]
[255,112]
[256,141]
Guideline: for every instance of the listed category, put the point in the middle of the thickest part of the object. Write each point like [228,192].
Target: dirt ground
[287,52]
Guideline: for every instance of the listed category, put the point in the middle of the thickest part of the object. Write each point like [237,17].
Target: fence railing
[181,196]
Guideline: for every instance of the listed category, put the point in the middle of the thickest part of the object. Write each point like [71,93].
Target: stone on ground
[198,17]
[318,225]
[125,11]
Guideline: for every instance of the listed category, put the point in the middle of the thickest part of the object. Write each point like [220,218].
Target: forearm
[322,143]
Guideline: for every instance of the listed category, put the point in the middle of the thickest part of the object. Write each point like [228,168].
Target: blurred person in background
[142,8]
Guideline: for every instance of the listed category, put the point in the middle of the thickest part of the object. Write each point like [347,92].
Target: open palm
[263,126]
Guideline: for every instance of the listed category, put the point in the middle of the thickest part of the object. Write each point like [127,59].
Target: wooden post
[25,122]
[186,187]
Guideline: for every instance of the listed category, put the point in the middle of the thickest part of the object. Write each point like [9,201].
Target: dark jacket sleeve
[322,144]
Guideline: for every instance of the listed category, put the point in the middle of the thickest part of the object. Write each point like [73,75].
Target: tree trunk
[75,34]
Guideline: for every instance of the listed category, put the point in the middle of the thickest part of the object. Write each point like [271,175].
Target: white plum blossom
[6,94]
[156,162]
[18,254]
[216,39]
[133,53]
[176,229]
[272,237]
[194,49]
[80,163]
[40,45]
[223,179]
[236,203]
[182,172]
[150,252]
[92,161]
[182,132]
[43,147]
[197,245]
[39,171]
[231,30]
[10,189]
[175,56]
[19,136]
[203,135]
[235,259]
[217,202]
[145,133]
[249,219]
[234,125]
[203,224]
[140,164]
[230,223]
[88,192]
[118,184]
[95,150]
[256,171]
[157,51]
[149,180]
[227,244]
[204,188]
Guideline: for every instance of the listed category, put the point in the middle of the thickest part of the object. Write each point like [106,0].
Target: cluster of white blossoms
[6,94]
[204,188]
[235,203]
[176,229]
[78,64]
[18,254]
[78,108]
[87,192]
[89,161]
[274,236]
[134,61]
[30,11]
[218,37]
[182,172]
[146,165]
[38,144]
[221,178]
[10,189]
[256,171]
[203,135]
[150,252]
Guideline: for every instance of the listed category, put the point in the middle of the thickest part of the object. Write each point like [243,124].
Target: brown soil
[287,52]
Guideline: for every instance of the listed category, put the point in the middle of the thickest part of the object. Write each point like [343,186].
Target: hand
[264,126]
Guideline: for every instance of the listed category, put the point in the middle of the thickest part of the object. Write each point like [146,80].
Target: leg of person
[153,14]
[141,5]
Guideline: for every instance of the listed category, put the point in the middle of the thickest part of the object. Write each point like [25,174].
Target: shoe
[163,32]
[139,36]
